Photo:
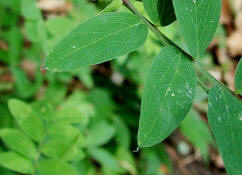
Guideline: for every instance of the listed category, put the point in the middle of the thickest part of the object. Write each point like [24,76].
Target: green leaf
[16,162]
[113,6]
[100,133]
[238,78]
[167,97]
[99,39]
[30,10]
[160,11]
[225,119]
[105,158]
[198,20]
[199,137]
[26,119]
[51,167]
[18,142]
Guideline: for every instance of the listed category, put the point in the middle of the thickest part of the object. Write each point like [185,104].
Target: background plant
[64,135]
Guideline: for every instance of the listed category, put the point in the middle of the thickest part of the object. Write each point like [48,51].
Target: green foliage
[16,162]
[27,119]
[224,115]
[160,11]
[18,142]
[238,78]
[199,134]
[167,97]
[198,21]
[82,122]
[92,38]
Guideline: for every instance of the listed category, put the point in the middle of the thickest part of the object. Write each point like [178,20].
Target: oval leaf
[99,39]
[18,142]
[238,78]
[16,162]
[225,119]
[168,96]
[160,11]
[26,119]
[198,20]
[51,167]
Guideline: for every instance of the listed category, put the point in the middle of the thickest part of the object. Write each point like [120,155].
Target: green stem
[166,42]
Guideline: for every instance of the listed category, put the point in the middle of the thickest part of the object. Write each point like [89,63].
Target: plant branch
[167,42]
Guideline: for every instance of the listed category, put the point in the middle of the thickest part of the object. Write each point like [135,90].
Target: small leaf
[199,137]
[30,11]
[99,39]
[51,167]
[26,119]
[16,162]
[160,11]
[18,142]
[167,97]
[113,6]
[225,119]
[105,158]
[238,78]
[100,133]
[198,20]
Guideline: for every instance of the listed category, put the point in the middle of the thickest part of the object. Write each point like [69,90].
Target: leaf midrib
[92,43]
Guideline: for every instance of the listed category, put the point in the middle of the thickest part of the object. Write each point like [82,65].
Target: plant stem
[167,42]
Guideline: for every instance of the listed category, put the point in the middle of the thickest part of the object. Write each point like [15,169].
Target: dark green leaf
[16,162]
[198,20]
[160,11]
[167,97]
[225,119]
[99,39]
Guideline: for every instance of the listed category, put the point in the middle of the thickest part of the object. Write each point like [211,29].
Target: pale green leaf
[225,119]
[113,6]
[238,78]
[16,162]
[29,10]
[160,11]
[55,167]
[167,97]
[105,158]
[200,137]
[100,133]
[97,40]
[198,20]
[26,119]
[18,142]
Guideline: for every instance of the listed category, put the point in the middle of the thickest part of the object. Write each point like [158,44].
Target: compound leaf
[225,119]
[198,20]
[99,39]
[160,11]
[167,97]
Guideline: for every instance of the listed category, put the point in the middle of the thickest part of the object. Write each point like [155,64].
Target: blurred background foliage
[85,122]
